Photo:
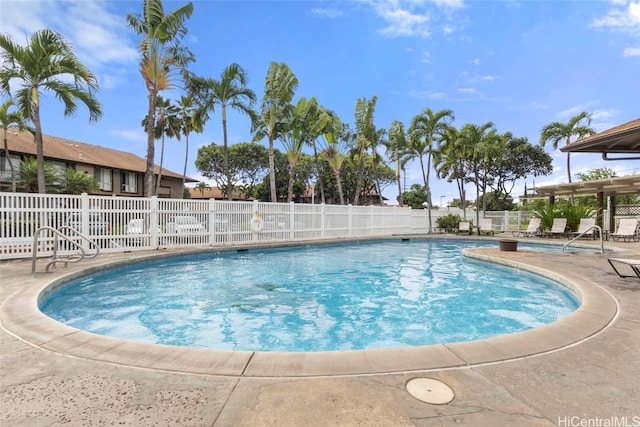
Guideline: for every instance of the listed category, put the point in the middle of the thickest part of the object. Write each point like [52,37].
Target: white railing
[119,224]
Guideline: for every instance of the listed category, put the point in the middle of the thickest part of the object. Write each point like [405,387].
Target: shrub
[449,222]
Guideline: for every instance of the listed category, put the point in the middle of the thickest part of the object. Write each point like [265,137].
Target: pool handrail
[593,227]
[57,233]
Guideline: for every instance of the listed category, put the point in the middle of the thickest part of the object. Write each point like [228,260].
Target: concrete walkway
[593,379]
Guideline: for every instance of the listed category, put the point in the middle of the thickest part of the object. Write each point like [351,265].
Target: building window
[129,182]
[104,179]
[5,168]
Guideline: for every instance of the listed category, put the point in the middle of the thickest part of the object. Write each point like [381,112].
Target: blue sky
[519,64]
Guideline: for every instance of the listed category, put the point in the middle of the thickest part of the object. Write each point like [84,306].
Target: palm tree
[163,58]
[169,124]
[556,132]
[398,151]
[481,142]
[45,64]
[365,135]
[75,182]
[8,119]
[426,129]
[230,91]
[280,86]
[451,161]
[28,175]
[201,186]
[335,152]
[192,121]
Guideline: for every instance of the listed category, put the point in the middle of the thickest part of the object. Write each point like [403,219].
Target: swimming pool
[323,297]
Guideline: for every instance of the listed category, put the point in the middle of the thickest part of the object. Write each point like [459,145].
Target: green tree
[72,181]
[45,64]
[28,176]
[201,187]
[398,151]
[556,132]
[597,173]
[366,133]
[8,119]
[168,124]
[230,91]
[191,120]
[416,197]
[483,141]
[163,59]
[516,159]
[247,165]
[335,153]
[427,129]
[279,89]
[452,161]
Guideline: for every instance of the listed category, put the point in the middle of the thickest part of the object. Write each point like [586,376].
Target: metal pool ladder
[57,235]
[593,227]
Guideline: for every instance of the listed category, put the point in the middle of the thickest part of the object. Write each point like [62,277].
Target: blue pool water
[316,298]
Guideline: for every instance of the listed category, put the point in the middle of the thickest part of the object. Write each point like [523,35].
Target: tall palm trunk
[151,143]
[319,172]
[272,169]
[428,188]
[35,111]
[568,163]
[398,181]
[6,155]
[356,197]
[292,177]
[161,163]
[186,156]
[225,154]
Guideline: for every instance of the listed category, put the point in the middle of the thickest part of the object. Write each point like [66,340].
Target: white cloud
[327,13]
[572,111]
[98,36]
[467,90]
[130,135]
[413,18]
[626,18]
[426,57]
[475,61]
[402,22]
[631,51]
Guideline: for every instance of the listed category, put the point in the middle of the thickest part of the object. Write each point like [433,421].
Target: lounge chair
[532,230]
[557,228]
[585,228]
[634,264]
[626,230]
[464,227]
[485,226]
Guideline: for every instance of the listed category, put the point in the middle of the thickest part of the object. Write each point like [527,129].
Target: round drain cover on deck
[430,391]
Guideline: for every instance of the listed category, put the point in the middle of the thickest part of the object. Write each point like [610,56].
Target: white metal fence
[119,224]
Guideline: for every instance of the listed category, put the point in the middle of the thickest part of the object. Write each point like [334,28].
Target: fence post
[505,223]
[153,218]
[292,216]
[322,219]
[212,221]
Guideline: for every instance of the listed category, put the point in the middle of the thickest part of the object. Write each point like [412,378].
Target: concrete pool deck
[585,366]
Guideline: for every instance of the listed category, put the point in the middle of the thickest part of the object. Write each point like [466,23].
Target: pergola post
[612,213]
[600,211]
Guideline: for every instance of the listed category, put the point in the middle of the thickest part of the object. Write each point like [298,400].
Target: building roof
[620,139]
[61,149]
[629,184]
[214,193]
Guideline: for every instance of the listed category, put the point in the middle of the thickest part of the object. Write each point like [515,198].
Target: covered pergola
[618,143]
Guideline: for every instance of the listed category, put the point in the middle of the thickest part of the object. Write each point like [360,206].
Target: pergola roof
[620,139]
[629,184]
